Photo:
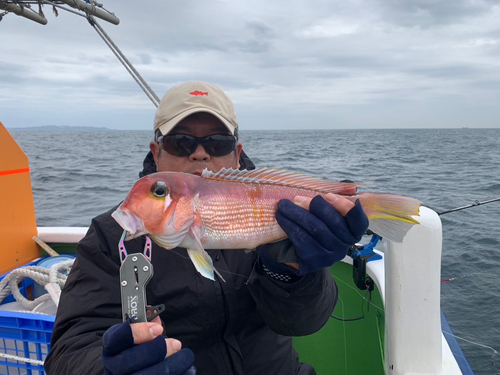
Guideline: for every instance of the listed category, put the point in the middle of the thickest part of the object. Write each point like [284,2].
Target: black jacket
[242,326]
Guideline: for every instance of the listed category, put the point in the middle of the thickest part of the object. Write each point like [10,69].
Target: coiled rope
[52,279]
[49,278]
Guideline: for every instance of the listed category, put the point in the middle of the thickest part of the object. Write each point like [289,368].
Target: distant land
[55,128]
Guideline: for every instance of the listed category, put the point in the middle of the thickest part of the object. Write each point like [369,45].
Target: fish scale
[243,221]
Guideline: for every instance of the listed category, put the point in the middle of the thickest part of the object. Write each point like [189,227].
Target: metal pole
[91,9]
[23,12]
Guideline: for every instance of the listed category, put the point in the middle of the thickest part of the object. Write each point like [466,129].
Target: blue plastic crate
[24,335]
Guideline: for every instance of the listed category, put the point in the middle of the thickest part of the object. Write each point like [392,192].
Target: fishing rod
[476,203]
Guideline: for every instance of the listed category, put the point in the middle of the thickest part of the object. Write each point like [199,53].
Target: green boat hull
[354,345]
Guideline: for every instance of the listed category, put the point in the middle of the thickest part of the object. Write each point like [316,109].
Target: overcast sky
[286,64]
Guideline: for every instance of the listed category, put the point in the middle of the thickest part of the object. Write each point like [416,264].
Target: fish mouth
[130,223]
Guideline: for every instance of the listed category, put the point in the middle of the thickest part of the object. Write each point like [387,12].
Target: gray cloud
[11,74]
[447,72]
[281,62]
[430,13]
[259,40]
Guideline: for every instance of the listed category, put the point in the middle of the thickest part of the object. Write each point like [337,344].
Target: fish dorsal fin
[272,176]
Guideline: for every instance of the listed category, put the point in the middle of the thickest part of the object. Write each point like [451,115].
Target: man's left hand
[321,231]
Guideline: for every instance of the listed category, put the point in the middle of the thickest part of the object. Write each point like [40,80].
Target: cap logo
[198,93]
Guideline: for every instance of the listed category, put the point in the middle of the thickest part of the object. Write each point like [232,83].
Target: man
[241,326]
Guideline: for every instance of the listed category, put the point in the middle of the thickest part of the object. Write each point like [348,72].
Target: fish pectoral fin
[201,260]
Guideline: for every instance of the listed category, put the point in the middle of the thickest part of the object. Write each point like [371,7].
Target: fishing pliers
[135,272]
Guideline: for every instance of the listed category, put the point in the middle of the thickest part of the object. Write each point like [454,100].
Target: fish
[198,93]
[235,209]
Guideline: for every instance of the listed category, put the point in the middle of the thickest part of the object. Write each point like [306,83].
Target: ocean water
[78,175]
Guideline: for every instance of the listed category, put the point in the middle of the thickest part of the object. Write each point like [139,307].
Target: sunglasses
[185,144]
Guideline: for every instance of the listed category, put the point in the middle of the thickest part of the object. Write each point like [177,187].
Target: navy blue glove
[317,238]
[121,356]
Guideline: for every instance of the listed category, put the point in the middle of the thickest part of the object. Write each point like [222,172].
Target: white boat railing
[61,234]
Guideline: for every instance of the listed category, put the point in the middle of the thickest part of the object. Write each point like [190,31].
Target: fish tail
[390,215]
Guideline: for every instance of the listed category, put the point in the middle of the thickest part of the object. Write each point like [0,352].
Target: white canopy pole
[23,11]
[91,9]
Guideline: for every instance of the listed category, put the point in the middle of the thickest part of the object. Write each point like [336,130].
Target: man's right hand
[140,349]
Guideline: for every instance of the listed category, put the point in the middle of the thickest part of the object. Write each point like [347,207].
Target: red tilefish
[234,209]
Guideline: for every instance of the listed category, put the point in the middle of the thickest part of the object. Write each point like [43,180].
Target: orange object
[17,212]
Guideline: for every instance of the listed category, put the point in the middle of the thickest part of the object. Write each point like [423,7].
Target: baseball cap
[192,97]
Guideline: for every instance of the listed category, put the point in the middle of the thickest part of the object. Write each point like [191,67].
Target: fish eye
[159,189]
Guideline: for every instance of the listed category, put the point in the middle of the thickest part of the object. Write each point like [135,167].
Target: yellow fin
[390,215]
[201,260]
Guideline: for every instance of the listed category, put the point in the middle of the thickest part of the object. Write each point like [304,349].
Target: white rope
[472,342]
[63,8]
[22,359]
[40,275]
